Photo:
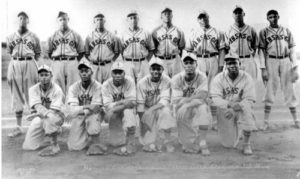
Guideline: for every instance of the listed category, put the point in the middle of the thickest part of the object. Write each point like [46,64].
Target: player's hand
[93,108]
[237,107]
[294,74]
[264,76]
[229,113]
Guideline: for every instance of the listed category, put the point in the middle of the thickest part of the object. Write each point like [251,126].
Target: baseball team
[163,87]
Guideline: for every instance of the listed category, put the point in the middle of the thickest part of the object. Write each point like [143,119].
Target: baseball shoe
[170,148]
[266,126]
[297,124]
[96,149]
[192,148]
[152,148]
[50,151]
[204,150]
[247,149]
[15,132]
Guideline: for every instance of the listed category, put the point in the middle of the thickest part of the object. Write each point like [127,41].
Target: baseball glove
[294,74]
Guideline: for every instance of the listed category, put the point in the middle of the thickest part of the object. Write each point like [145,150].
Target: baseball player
[209,45]
[233,91]
[85,102]
[154,110]
[169,42]
[102,48]
[138,48]
[190,98]
[277,54]
[65,48]
[46,99]
[119,99]
[243,41]
[24,48]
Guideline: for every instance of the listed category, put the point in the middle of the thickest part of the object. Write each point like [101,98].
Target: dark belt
[101,63]
[22,58]
[208,55]
[135,60]
[246,56]
[167,58]
[278,57]
[63,58]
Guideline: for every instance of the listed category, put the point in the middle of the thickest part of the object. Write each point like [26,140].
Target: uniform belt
[101,63]
[135,60]
[278,57]
[23,58]
[208,55]
[246,56]
[64,58]
[167,58]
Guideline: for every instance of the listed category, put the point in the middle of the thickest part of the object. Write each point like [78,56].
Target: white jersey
[242,41]
[223,89]
[205,41]
[26,45]
[68,44]
[276,42]
[169,41]
[51,99]
[136,44]
[102,46]
[77,95]
[182,88]
[150,93]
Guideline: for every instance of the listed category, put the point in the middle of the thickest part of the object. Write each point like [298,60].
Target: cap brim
[131,14]
[83,65]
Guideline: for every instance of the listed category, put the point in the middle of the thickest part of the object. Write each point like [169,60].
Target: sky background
[43,14]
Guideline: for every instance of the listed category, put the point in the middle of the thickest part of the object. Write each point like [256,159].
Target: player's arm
[254,42]
[291,43]
[37,48]
[117,48]
[181,44]
[218,93]
[221,59]
[9,48]
[222,50]
[49,48]
[80,47]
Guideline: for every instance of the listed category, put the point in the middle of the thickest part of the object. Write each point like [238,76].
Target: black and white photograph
[150,89]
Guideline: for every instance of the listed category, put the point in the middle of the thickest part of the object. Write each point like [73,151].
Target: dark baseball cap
[132,13]
[202,13]
[99,15]
[231,57]
[238,8]
[61,13]
[85,63]
[272,11]
[22,13]
[45,68]
[166,10]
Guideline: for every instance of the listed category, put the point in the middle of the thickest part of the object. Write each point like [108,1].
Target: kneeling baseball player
[85,110]
[119,99]
[153,107]
[190,98]
[233,91]
[46,99]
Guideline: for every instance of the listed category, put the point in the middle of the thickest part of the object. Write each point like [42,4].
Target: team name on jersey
[27,42]
[205,37]
[239,36]
[151,93]
[168,37]
[230,91]
[60,41]
[118,97]
[96,42]
[134,40]
[84,99]
[188,91]
[46,101]
[277,37]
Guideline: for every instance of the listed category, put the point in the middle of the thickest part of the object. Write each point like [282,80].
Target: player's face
[167,16]
[203,20]
[133,20]
[189,66]
[99,22]
[63,22]
[156,71]
[238,16]
[85,73]
[23,21]
[233,66]
[45,77]
[273,19]
[118,76]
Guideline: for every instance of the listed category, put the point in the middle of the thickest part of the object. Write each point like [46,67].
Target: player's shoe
[204,150]
[15,132]
[266,126]
[247,149]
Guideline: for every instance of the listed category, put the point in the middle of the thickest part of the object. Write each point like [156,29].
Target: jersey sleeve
[9,48]
[254,43]
[37,45]
[106,94]
[57,99]
[34,97]
[117,48]
[80,44]
[87,45]
[181,43]
[97,96]
[150,42]
[189,43]
[262,39]
[49,47]
[141,97]
[165,95]
[72,95]
[291,40]
[217,92]
[177,92]
[130,90]
[221,41]
[203,86]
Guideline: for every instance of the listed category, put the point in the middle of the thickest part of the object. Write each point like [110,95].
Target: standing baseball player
[102,48]
[277,52]
[243,41]
[119,99]
[85,103]
[233,91]
[190,98]
[153,107]
[24,48]
[138,48]
[65,48]
[169,42]
[46,99]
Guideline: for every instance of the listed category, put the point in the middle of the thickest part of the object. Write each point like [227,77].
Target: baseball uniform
[22,69]
[52,101]
[244,42]
[82,126]
[277,44]
[206,44]
[101,47]
[168,44]
[64,49]
[136,46]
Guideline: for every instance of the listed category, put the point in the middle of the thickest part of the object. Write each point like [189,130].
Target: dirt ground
[276,155]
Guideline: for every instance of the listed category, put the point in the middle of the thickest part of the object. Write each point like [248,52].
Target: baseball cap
[166,10]
[272,11]
[230,57]
[61,13]
[99,15]
[44,68]
[118,66]
[189,56]
[132,13]
[237,8]
[84,63]
[22,13]
[202,13]
[156,61]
